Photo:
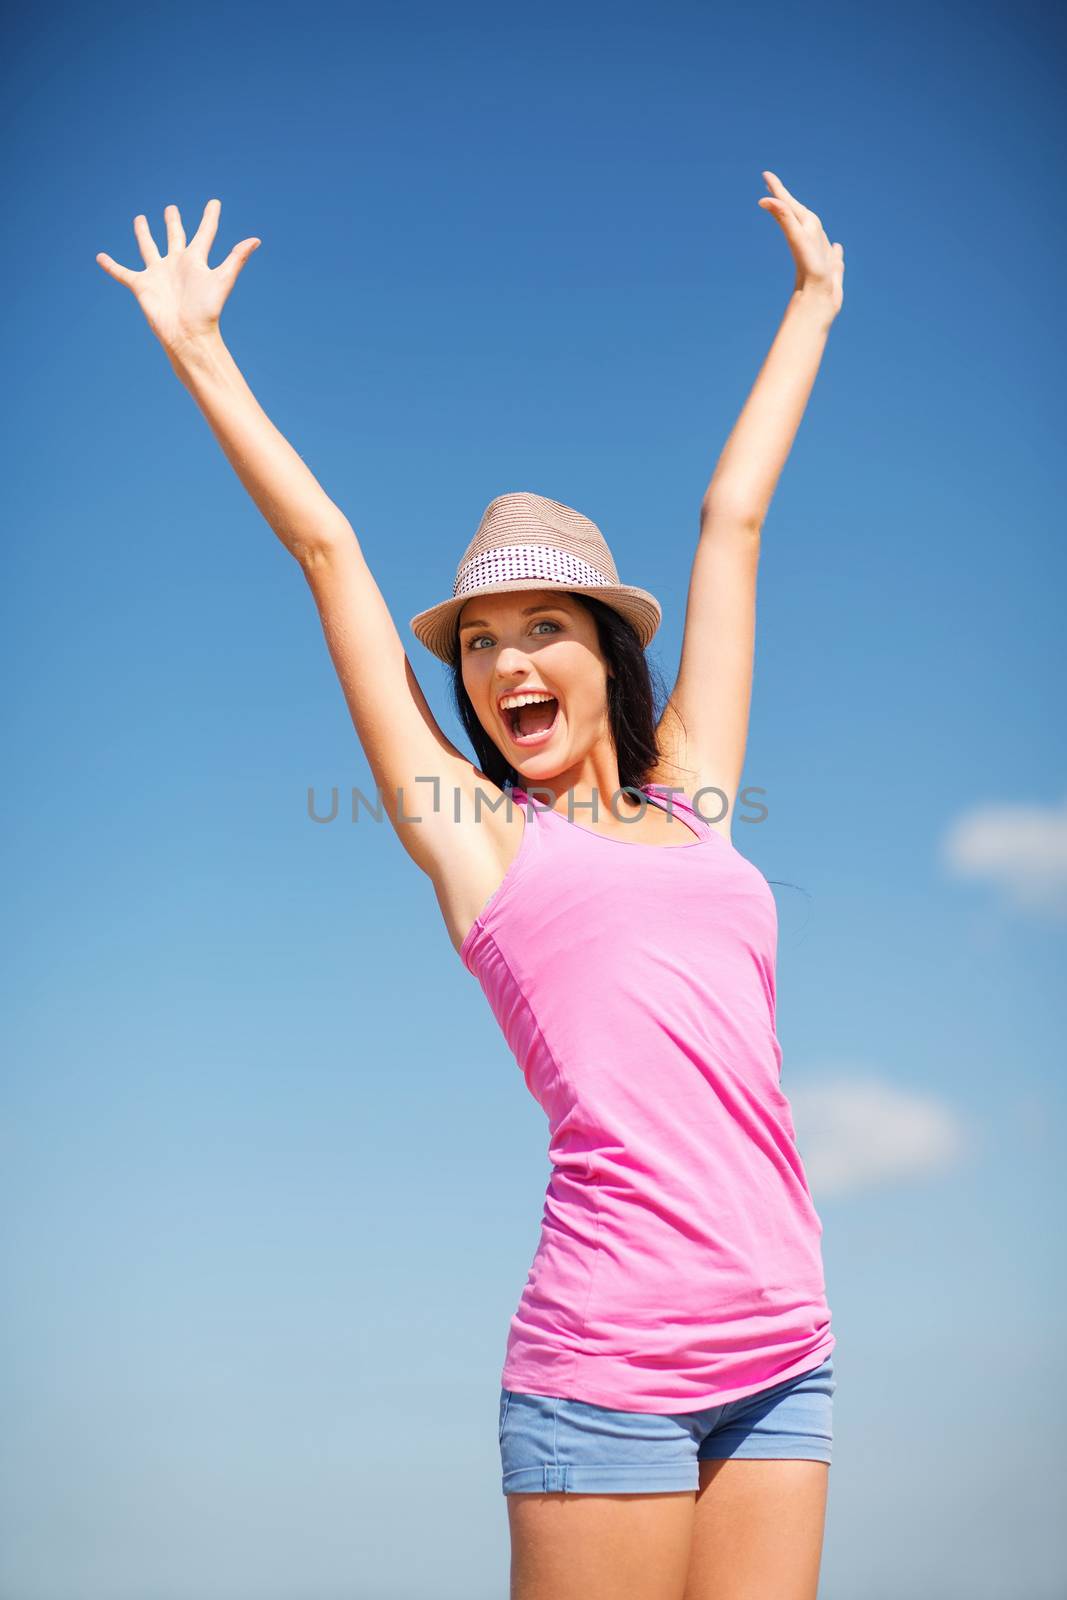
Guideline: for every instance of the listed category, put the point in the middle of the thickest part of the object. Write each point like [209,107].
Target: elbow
[318,547]
[716,518]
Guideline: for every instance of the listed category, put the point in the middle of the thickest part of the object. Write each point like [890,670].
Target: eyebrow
[527,611]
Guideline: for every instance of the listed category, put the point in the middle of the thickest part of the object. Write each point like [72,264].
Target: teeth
[512,701]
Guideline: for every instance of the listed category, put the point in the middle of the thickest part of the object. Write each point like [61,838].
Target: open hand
[181,296]
[820,264]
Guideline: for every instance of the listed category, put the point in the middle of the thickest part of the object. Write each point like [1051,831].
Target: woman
[665,1409]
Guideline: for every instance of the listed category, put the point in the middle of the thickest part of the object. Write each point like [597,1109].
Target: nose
[511,660]
[512,670]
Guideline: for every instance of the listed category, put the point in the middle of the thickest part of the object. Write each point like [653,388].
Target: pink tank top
[680,1259]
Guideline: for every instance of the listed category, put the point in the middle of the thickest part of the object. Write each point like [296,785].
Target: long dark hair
[633,693]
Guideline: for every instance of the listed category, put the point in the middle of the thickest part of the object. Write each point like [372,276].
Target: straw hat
[526,541]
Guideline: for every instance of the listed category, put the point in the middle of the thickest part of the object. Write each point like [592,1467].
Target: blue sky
[272,1182]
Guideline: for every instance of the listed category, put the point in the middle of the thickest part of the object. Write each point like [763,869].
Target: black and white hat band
[510,561]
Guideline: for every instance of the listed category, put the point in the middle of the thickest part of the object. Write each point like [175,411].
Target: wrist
[816,300]
[196,351]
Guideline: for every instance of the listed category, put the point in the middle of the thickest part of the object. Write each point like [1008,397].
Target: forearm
[282,486]
[752,459]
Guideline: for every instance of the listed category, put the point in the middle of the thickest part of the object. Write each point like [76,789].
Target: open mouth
[534,724]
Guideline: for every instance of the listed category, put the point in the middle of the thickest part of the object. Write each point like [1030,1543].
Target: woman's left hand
[820,264]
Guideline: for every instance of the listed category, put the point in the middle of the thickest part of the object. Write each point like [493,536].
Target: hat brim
[436,626]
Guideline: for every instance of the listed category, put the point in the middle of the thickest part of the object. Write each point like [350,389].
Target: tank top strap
[679,801]
[530,805]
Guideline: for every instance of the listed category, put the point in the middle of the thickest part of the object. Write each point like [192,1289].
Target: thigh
[601,1547]
[758,1530]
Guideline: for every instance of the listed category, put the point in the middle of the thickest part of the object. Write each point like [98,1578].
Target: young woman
[665,1410]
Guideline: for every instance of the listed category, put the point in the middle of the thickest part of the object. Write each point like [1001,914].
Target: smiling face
[540,641]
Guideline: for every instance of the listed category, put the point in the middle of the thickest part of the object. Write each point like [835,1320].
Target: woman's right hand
[180,295]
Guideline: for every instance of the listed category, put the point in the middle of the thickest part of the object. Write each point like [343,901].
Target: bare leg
[600,1546]
[758,1530]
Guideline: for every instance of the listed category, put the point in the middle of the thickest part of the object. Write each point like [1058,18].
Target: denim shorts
[548,1445]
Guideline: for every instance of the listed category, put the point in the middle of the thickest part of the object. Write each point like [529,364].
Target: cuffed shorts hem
[630,1479]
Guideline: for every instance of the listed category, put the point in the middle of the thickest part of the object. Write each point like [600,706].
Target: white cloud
[864,1133]
[1021,849]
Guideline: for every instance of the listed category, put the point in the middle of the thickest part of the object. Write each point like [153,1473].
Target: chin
[542,772]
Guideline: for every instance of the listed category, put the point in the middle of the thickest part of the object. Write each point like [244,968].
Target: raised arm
[704,728]
[182,299]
